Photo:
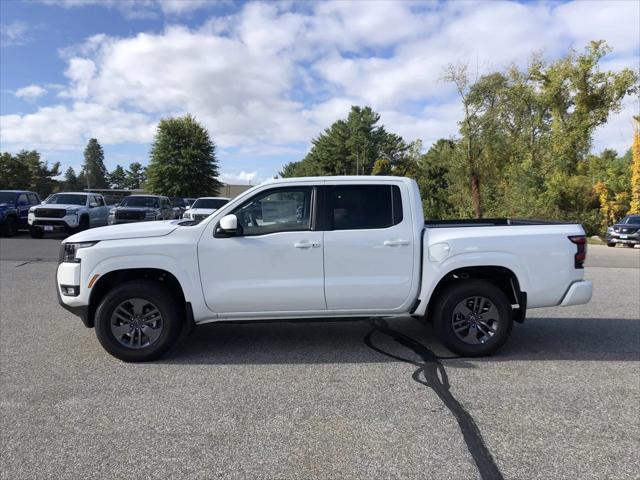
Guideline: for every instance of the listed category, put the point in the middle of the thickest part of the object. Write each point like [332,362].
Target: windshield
[67,199]
[150,202]
[7,197]
[631,219]
[209,203]
[178,202]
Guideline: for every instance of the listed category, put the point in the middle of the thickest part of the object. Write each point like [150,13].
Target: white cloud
[268,78]
[14,33]
[30,92]
[242,178]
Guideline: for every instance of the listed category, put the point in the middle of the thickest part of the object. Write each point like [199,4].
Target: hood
[135,209]
[125,231]
[59,206]
[4,206]
[202,211]
[626,225]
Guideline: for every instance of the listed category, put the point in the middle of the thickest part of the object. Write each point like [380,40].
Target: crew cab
[68,211]
[324,247]
[141,208]
[14,210]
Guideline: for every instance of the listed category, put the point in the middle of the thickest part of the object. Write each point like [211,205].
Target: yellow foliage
[635,173]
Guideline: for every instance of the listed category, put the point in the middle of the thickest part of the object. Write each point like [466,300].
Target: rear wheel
[473,318]
[10,227]
[36,232]
[138,321]
[611,244]
[630,245]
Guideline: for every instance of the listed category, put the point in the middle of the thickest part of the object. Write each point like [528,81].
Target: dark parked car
[626,232]
[141,208]
[179,205]
[14,210]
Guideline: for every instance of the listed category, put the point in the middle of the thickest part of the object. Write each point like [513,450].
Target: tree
[26,171]
[635,170]
[94,172]
[71,180]
[350,147]
[135,176]
[118,178]
[183,160]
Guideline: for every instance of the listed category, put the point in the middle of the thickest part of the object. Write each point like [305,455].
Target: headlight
[72,212]
[609,229]
[69,251]
[32,209]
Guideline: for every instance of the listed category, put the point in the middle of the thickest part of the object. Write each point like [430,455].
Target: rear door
[368,246]
[22,206]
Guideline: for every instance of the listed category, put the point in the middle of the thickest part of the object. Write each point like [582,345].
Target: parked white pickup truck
[319,248]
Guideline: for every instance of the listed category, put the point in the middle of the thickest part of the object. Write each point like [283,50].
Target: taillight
[581,254]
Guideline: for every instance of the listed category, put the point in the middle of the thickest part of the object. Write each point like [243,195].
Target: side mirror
[187,207]
[228,226]
[93,205]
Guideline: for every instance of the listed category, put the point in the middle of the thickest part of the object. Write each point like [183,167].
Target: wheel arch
[107,281]
[500,276]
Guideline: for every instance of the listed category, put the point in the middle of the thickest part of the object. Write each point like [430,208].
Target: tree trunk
[475,195]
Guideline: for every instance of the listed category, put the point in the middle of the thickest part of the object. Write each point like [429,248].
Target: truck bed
[490,222]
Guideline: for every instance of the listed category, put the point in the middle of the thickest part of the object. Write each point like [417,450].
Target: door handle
[306,244]
[395,243]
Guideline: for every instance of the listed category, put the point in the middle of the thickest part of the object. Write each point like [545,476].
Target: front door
[275,261]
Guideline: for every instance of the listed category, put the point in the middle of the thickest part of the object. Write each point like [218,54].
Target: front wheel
[36,232]
[611,244]
[10,227]
[138,321]
[84,224]
[473,318]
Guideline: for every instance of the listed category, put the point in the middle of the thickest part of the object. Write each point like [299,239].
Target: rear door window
[357,207]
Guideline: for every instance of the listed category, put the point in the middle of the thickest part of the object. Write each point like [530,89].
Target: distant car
[141,208]
[626,232]
[14,210]
[179,205]
[203,207]
[69,212]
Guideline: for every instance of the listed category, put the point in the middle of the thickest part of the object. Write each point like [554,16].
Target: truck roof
[348,178]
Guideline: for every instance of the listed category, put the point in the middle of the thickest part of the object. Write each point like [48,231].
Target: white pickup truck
[328,247]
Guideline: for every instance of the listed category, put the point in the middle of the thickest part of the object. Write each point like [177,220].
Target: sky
[266,78]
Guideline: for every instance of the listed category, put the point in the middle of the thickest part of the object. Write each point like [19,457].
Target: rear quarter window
[358,207]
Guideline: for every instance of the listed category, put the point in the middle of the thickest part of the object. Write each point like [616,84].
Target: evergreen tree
[135,176]
[71,180]
[118,178]
[183,160]
[93,170]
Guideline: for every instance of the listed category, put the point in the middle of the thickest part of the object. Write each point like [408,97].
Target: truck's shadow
[342,341]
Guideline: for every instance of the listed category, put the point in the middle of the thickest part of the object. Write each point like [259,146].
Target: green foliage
[523,149]
[26,171]
[118,178]
[349,147]
[70,182]
[183,160]
[135,176]
[94,173]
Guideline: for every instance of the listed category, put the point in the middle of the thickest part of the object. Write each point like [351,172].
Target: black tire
[611,244]
[455,295]
[150,291]
[630,245]
[36,232]
[10,226]
[84,223]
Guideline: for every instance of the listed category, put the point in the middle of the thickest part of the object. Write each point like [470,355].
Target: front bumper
[69,274]
[579,293]
[632,239]
[64,223]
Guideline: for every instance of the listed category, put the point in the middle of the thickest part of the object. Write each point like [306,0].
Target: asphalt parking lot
[320,400]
